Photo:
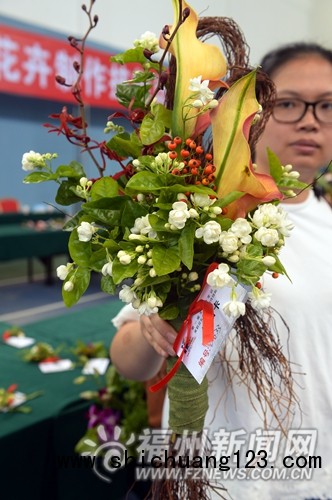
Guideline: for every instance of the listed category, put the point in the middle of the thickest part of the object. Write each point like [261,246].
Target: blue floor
[23,303]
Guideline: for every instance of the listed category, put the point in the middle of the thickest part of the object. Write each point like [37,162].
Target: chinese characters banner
[29,63]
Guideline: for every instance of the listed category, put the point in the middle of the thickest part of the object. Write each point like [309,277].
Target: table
[20,242]
[20,217]
[30,444]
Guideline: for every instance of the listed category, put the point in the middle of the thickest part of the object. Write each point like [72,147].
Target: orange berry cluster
[198,165]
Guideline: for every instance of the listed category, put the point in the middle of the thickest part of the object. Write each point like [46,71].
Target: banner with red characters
[29,63]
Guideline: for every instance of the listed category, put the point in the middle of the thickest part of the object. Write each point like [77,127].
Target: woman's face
[306,144]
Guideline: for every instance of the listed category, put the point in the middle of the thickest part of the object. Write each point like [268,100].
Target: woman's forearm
[132,354]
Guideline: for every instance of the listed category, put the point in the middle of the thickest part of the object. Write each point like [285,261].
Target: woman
[300,133]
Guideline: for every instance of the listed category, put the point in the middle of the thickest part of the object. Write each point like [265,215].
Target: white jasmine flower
[182,197]
[179,215]
[197,103]
[63,271]
[216,210]
[148,41]
[213,104]
[220,277]
[193,213]
[193,276]
[126,294]
[242,229]
[228,242]
[32,160]
[85,231]
[107,269]
[202,89]
[202,200]
[83,181]
[210,232]
[154,301]
[270,215]
[233,258]
[294,174]
[141,259]
[268,260]
[234,308]
[142,226]
[146,310]
[68,286]
[124,257]
[259,300]
[267,237]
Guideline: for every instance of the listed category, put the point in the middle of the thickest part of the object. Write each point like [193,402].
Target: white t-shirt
[305,303]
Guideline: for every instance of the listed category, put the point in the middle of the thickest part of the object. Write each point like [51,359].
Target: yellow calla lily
[231,122]
[193,59]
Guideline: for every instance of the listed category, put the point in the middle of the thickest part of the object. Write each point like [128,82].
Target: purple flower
[107,417]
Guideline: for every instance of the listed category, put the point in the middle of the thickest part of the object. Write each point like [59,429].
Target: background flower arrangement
[112,407]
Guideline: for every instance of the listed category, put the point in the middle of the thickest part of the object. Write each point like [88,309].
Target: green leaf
[169,312]
[108,285]
[121,272]
[254,250]
[106,210]
[131,55]
[97,259]
[186,244]
[74,170]
[73,221]
[131,211]
[229,198]
[163,114]
[36,177]
[152,129]
[276,170]
[83,445]
[132,95]
[145,182]
[66,193]
[79,251]
[165,260]
[81,278]
[158,222]
[250,270]
[106,187]
[125,145]
[141,77]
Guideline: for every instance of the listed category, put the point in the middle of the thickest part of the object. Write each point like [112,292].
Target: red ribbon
[197,306]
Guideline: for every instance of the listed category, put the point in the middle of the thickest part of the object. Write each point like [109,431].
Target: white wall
[265,23]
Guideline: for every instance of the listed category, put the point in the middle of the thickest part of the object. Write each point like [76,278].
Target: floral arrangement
[12,401]
[41,352]
[85,351]
[112,406]
[187,197]
[14,331]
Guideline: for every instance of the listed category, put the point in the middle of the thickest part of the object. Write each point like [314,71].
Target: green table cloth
[20,242]
[32,446]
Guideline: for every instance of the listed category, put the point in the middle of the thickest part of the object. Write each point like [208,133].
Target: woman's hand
[160,334]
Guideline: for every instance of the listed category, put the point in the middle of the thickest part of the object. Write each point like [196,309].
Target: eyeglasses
[293,110]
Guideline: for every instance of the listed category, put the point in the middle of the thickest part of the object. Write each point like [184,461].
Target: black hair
[275,59]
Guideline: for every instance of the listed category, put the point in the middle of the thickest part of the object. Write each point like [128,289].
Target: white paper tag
[61,365]
[19,398]
[20,342]
[96,365]
[198,357]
